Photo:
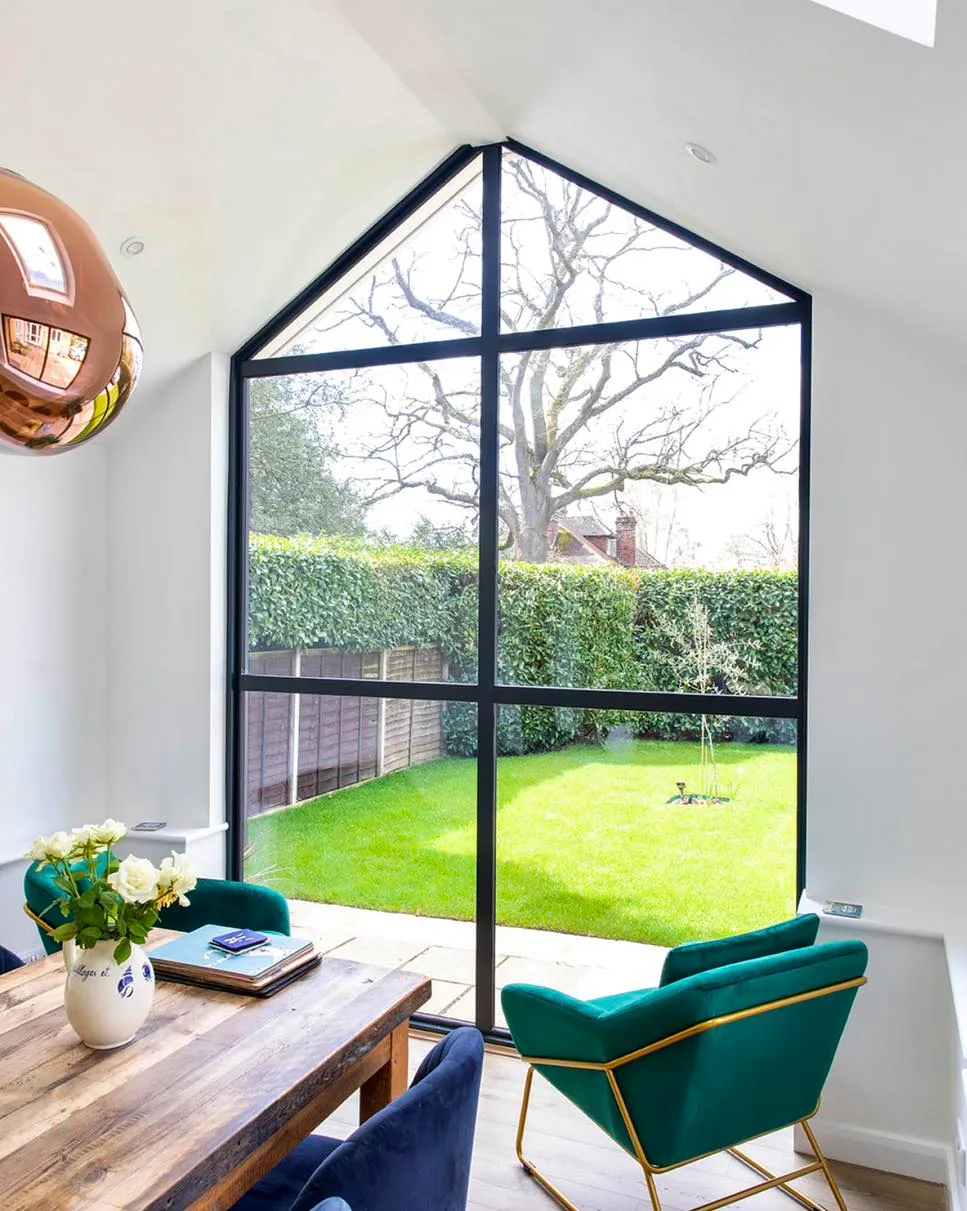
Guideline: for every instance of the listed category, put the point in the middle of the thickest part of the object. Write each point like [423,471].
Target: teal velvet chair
[736,1042]
[213,902]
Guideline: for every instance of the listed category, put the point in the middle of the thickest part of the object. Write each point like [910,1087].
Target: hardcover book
[193,954]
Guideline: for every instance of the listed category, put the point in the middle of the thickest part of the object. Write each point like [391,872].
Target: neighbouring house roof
[572,545]
[569,547]
[586,527]
[645,559]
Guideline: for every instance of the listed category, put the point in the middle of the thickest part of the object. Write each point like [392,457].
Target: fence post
[293,795]
[381,718]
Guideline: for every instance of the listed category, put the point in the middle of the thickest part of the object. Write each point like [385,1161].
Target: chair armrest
[546,1024]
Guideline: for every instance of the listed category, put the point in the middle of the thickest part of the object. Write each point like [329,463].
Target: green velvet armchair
[213,902]
[736,1042]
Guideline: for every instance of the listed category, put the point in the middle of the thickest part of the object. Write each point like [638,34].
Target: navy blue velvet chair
[413,1155]
[9,961]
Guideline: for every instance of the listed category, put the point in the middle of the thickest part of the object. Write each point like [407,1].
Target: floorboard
[598,1176]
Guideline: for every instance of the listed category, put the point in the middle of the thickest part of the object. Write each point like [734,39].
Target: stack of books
[259,971]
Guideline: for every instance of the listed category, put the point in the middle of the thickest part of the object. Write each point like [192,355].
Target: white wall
[888,1102]
[112,617]
[54,619]
[166,655]
[888,586]
[886,819]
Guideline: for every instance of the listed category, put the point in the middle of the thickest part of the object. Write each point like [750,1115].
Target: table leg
[389,1081]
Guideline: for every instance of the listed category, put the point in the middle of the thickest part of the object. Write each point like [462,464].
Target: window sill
[185,836]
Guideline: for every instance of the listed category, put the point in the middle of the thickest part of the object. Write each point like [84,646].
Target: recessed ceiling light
[132,246]
[700,153]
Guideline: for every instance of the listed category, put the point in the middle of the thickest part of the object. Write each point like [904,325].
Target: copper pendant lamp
[70,347]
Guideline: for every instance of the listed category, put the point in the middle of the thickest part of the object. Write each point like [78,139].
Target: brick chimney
[626,544]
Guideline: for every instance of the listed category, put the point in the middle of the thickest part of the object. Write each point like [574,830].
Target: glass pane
[420,284]
[569,257]
[363,520]
[66,353]
[363,812]
[649,515]
[621,835]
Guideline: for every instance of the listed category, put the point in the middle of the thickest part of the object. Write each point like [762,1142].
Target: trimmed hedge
[559,625]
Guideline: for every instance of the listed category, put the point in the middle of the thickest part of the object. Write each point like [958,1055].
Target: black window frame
[487,693]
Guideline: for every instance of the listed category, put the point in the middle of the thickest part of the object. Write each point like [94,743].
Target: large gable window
[515,608]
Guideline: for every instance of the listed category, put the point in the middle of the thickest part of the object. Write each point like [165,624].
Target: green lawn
[586,842]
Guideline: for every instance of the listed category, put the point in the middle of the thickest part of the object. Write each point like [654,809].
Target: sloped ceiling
[839,146]
[247,143]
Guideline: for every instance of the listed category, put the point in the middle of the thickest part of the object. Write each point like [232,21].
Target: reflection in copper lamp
[70,347]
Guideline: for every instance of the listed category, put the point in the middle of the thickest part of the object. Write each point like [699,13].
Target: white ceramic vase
[107,1002]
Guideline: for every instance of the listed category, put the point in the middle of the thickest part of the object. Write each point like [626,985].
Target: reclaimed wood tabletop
[212,1092]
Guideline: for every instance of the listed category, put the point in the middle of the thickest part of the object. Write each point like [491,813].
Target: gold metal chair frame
[38,920]
[772,1180]
[49,929]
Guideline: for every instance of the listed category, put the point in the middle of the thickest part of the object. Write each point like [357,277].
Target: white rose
[38,851]
[60,846]
[177,876]
[135,880]
[108,833]
[83,836]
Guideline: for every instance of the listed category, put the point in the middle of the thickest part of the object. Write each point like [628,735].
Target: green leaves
[122,952]
[560,624]
[97,913]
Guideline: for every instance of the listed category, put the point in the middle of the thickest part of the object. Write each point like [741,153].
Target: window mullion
[486,868]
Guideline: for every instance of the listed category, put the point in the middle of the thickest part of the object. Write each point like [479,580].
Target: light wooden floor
[598,1176]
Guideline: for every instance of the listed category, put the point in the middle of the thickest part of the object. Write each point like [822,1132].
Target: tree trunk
[534,547]
[535,517]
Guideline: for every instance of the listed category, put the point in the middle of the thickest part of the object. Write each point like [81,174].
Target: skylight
[40,263]
[913,19]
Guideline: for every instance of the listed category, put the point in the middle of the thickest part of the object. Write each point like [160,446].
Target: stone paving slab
[444,951]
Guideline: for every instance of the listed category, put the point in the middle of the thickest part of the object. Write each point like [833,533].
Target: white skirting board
[927,1160]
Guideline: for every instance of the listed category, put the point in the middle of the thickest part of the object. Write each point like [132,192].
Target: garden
[587,842]
[651,827]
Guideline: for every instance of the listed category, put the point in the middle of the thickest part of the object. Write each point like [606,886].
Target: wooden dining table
[211,1093]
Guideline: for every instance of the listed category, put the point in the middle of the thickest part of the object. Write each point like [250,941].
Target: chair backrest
[213,901]
[240,905]
[9,961]
[758,1042]
[414,1155]
[40,891]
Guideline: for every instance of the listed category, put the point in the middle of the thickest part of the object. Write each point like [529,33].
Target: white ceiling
[247,143]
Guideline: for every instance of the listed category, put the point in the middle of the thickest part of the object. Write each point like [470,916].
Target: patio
[443,950]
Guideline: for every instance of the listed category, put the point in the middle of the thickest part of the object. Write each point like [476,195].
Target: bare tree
[773,544]
[575,424]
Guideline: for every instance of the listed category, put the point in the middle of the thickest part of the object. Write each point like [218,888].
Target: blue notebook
[192,955]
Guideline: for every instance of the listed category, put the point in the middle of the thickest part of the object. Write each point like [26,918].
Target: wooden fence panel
[337,736]
[340,740]
[413,729]
[269,736]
